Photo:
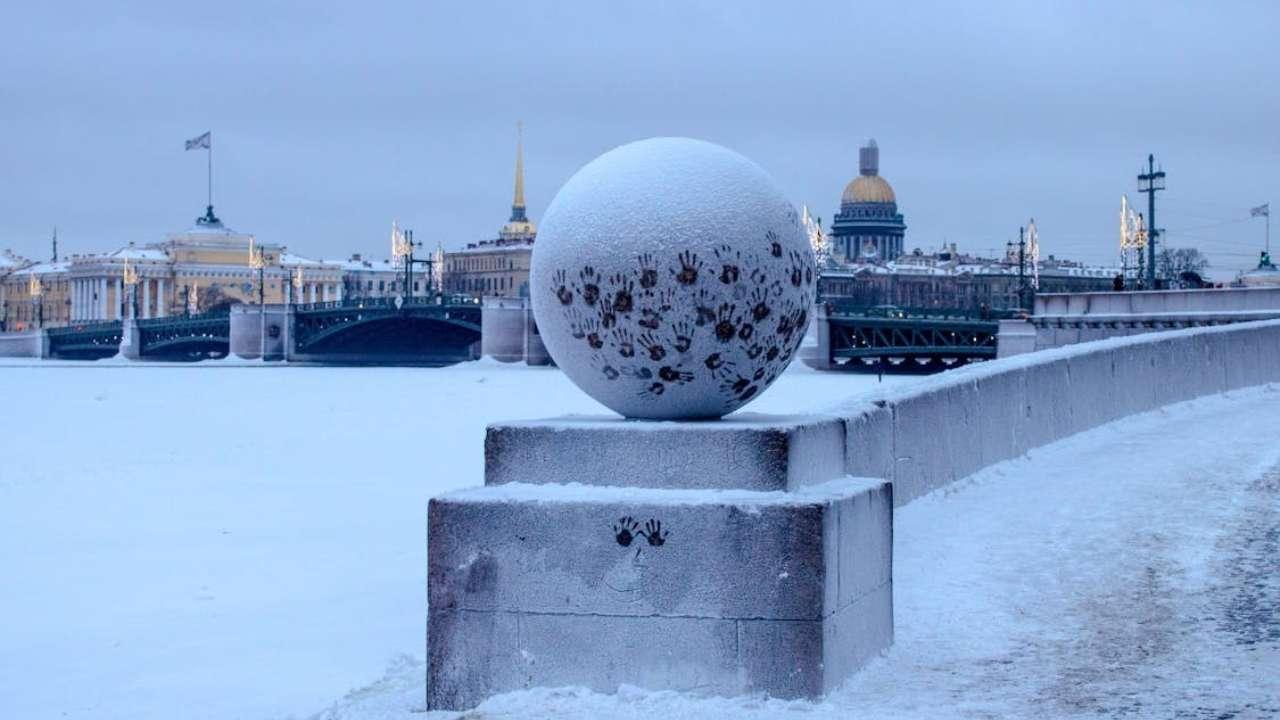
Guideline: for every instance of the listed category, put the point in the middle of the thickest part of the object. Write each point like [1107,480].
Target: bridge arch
[398,338]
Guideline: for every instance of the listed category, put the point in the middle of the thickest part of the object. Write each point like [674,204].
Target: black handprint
[648,272]
[683,337]
[654,533]
[625,342]
[622,288]
[729,259]
[560,279]
[689,267]
[590,290]
[654,346]
[624,531]
[726,325]
[775,247]
[674,375]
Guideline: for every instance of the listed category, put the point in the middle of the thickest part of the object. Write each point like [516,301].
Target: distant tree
[1177,266]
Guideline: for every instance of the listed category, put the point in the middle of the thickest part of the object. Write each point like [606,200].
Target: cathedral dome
[868,189]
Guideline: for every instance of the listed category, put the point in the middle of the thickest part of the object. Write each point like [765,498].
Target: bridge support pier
[635,574]
[249,337]
[816,349]
[130,345]
[1015,337]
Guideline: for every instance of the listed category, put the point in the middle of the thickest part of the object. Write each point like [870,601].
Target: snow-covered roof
[136,253]
[44,268]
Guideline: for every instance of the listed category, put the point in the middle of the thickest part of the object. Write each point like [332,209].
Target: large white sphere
[671,279]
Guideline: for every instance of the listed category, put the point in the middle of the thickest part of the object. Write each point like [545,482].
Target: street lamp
[258,261]
[36,291]
[131,279]
[402,246]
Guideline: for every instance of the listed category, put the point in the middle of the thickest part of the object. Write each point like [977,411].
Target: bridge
[1068,318]
[414,331]
[419,331]
[899,339]
[92,341]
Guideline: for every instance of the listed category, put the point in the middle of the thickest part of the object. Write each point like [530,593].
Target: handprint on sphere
[590,289]
[689,267]
[648,273]
[563,293]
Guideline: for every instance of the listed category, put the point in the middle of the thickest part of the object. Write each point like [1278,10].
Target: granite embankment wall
[928,434]
[30,344]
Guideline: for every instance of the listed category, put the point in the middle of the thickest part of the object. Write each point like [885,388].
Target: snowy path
[1132,571]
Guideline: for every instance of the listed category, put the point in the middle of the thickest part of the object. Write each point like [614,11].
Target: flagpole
[210,178]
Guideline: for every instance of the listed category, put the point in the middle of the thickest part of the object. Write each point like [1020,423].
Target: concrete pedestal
[720,557]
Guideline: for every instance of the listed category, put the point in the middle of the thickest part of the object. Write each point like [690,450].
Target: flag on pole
[1261,211]
[198,143]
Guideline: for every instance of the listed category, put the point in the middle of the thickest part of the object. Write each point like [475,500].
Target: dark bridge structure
[418,331]
[907,340]
[380,331]
[184,338]
[92,341]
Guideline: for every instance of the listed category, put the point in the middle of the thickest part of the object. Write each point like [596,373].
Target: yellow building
[207,267]
[498,267]
[35,295]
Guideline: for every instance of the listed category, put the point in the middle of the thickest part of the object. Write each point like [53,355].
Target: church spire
[517,203]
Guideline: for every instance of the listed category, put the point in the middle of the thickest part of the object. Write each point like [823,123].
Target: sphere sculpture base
[599,575]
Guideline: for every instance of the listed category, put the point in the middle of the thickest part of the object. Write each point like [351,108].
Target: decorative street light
[131,280]
[36,290]
[258,261]
[402,246]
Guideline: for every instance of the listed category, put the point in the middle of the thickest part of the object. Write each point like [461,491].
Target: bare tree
[1181,267]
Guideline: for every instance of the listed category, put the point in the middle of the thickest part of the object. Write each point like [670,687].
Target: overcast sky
[329,121]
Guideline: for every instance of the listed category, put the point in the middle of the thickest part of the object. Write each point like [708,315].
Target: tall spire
[517,203]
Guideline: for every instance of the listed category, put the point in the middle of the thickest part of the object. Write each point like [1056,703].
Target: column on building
[311,292]
[160,298]
[101,305]
[338,291]
[146,297]
[75,298]
[115,312]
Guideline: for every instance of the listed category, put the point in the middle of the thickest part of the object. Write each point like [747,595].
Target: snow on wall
[931,433]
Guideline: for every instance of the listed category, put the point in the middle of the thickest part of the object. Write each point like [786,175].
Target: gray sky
[331,120]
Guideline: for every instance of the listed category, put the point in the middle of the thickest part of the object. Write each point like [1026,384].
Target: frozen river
[219,541]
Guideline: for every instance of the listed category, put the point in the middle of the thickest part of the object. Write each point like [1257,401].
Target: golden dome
[868,189]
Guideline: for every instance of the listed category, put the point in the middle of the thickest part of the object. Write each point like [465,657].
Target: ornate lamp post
[131,281]
[402,246]
[36,290]
[258,261]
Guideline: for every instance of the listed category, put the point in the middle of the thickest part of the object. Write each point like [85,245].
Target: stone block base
[715,591]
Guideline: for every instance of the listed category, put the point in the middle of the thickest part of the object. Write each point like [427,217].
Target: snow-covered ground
[236,540]
[245,542]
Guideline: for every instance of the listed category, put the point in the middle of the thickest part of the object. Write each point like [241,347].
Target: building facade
[205,268]
[497,267]
[950,280]
[868,227]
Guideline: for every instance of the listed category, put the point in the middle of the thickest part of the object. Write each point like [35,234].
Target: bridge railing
[1158,302]
[837,308]
[84,328]
[390,302]
[169,320]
